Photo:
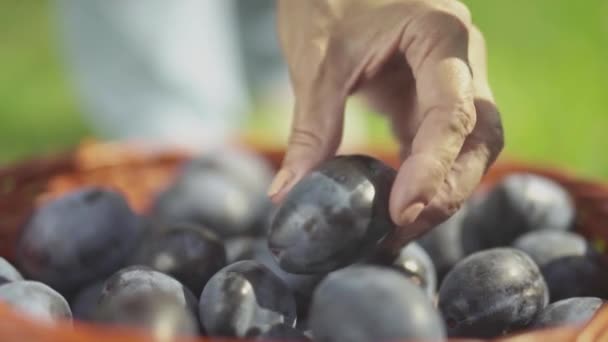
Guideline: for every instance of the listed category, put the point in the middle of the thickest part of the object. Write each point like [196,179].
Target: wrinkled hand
[420,62]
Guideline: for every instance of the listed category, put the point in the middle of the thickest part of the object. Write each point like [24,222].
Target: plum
[546,246]
[224,191]
[245,299]
[491,293]
[334,216]
[444,243]
[519,204]
[282,332]
[153,310]
[35,300]
[363,303]
[569,264]
[571,311]
[576,276]
[415,263]
[308,333]
[78,238]
[132,281]
[301,285]
[84,304]
[8,272]
[190,254]
[257,249]
[243,248]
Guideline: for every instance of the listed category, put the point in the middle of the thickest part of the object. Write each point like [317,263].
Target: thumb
[315,136]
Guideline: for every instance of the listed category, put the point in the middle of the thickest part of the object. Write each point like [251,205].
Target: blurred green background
[547,59]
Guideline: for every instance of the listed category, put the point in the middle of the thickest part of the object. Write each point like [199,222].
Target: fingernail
[411,213]
[280,181]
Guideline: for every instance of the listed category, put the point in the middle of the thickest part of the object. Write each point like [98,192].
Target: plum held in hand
[76,239]
[444,243]
[334,216]
[245,299]
[519,204]
[491,293]
[571,311]
[132,281]
[36,300]
[224,191]
[186,252]
[8,272]
[283,333]
[370,304]
[569,264]
[153,310]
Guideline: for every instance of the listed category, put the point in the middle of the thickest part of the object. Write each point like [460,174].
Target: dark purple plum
[243,248]
[78,238]
[370,304]
[546,246]
[569,264]
[334,216]
[133,281]
[84,304]
[245,299]
[283,332]
[491,293]
[257,249]
[415,263]
[571,311]
[576,276]
[190,254]
[8,272]
[153,310]
[519,204]
[444,243]
[301,285]
[224,191]
[35,300]
[308,333]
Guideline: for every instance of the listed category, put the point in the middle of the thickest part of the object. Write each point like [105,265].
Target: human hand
[420,62]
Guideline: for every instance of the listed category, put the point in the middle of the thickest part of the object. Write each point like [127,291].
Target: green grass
[38,112]
[547,61]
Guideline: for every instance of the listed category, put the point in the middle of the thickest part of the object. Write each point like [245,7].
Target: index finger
[444,86]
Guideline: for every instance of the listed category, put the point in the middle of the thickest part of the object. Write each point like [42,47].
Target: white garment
[162,70]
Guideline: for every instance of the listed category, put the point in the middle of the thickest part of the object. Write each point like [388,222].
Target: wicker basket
[140,175]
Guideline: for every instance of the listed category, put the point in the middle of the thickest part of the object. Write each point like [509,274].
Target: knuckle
[447,25]
[460,121]
[305,138]
[438,166]
[463,118]
[461,11]
[437,28]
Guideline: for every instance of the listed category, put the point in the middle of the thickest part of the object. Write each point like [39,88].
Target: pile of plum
[215,258]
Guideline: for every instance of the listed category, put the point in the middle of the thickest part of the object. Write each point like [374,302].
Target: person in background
[171,72]
[164,69]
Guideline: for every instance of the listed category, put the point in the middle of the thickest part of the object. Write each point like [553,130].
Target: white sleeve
[167,70]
